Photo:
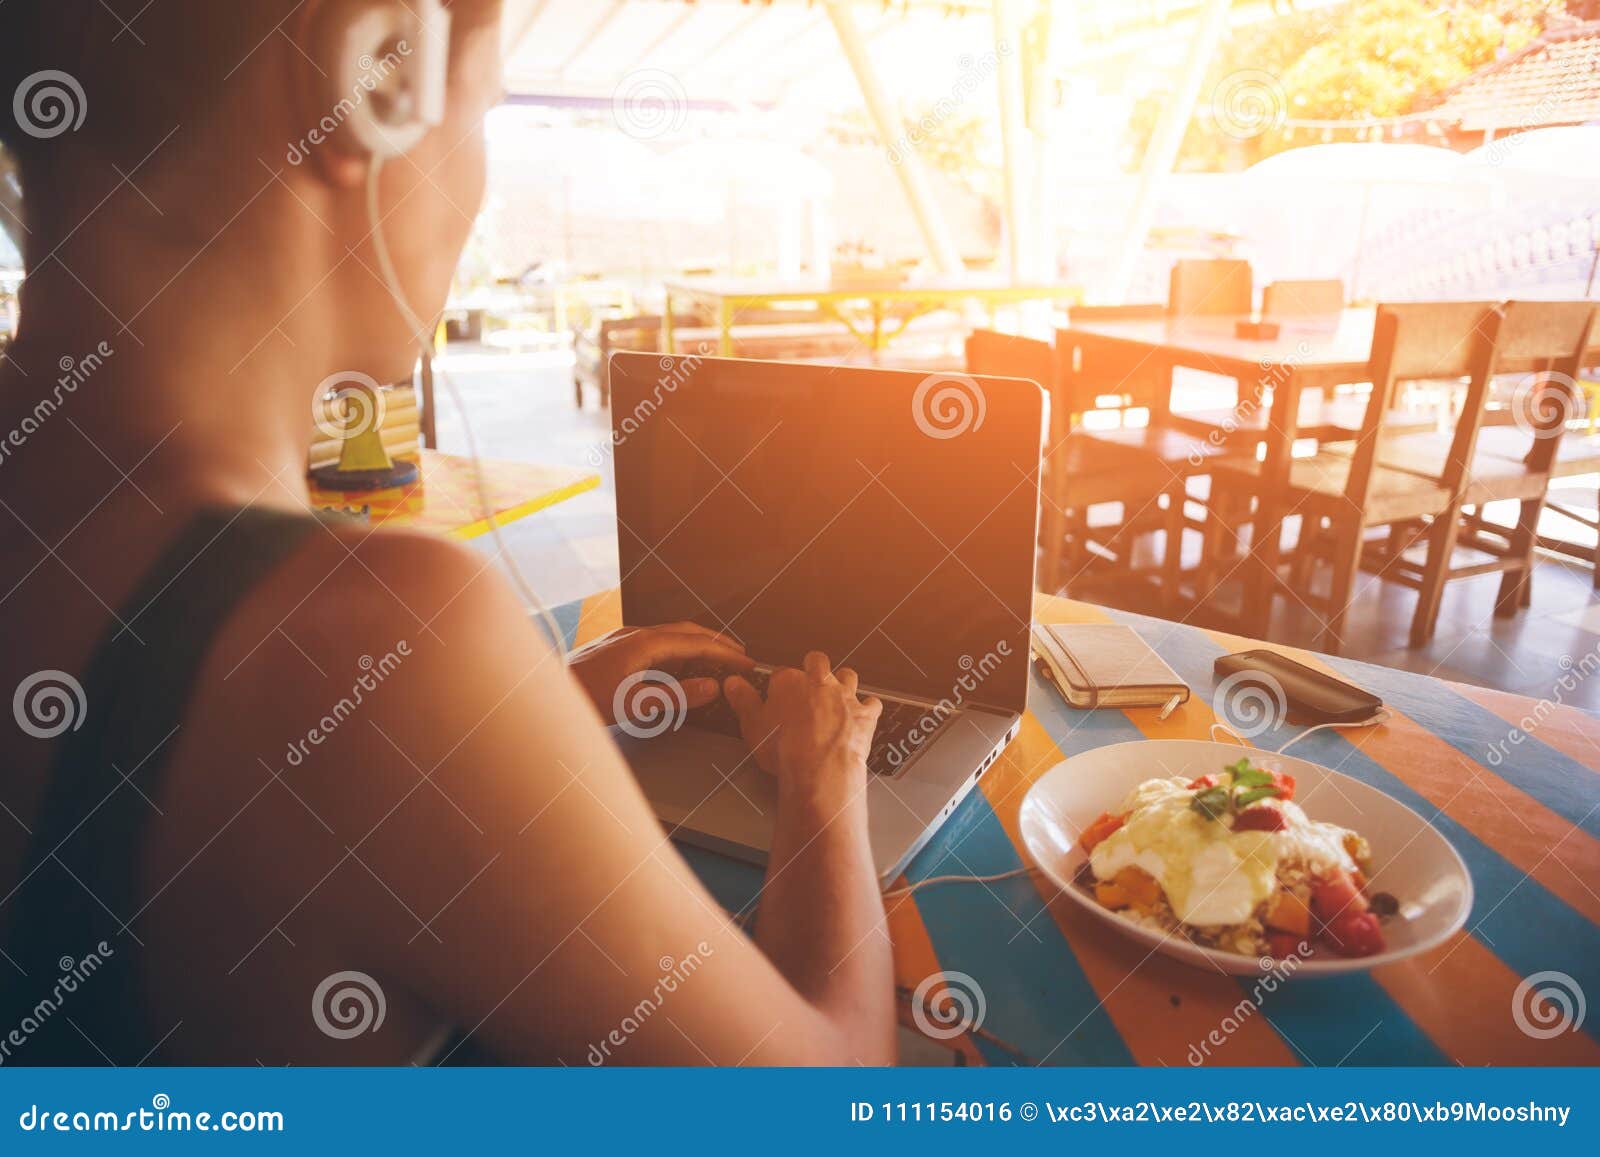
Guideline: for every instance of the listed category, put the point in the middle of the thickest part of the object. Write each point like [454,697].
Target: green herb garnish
[1245,784]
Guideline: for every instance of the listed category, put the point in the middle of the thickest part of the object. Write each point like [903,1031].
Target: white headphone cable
[420,332]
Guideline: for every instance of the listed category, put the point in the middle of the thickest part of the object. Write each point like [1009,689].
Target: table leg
[669,343]
[1261,577]
[725,324]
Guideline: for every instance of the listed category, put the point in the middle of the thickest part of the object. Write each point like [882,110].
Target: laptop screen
[886,518]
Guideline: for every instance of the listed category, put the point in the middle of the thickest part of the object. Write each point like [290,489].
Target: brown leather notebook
[1105,665]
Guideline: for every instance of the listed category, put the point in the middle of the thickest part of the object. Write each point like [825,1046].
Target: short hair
[132,70]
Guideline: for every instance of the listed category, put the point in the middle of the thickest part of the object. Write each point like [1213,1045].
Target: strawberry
[1355,934]
[1261,818]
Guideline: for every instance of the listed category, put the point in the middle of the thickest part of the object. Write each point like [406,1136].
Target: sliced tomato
[1284,782]
[1099,830]
[1263,817]
[1355,934]
[1203,782]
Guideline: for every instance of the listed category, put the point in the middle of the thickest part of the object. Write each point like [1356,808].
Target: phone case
[1311,696]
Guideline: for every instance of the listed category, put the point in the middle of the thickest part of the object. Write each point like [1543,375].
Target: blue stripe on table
[566,617]
[1513,915]
[1004,930]
[1553,778]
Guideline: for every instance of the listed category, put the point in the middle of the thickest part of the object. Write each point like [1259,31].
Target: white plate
[1410,859]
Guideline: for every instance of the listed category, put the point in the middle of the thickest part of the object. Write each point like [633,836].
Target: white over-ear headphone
[387,66]
[388,69]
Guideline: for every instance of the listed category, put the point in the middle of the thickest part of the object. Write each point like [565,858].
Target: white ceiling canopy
[743,53]
[721,53]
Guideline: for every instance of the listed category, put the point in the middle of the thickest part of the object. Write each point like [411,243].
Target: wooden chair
[1153,464]
[1507,463]
[1210,288]
[1085,469]
[1341,493]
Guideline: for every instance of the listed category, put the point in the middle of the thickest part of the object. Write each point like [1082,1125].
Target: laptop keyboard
[893,746]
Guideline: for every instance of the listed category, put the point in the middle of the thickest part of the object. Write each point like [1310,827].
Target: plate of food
[1238,859]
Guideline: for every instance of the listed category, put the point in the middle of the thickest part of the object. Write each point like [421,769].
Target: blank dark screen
[804,508]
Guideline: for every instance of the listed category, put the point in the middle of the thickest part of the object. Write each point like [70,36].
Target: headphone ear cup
[386,63]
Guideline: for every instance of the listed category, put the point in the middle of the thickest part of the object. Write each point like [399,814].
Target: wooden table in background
[1514,786]
[861,309]
[1314,354]
[445,498]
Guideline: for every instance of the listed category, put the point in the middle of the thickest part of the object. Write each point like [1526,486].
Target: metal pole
[902,151]
[1013,139]
[1165,142]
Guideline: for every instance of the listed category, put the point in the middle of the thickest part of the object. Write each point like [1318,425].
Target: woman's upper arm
[537,900]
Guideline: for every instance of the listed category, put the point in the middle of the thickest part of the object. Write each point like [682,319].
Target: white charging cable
[420,332]
[1382,716]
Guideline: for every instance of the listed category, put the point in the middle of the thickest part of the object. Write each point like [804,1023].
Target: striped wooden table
[1061,988]
[445,498]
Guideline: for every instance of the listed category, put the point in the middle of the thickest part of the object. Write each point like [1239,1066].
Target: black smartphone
[1312,696]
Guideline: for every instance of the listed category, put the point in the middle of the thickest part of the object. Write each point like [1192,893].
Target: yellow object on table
[445,500]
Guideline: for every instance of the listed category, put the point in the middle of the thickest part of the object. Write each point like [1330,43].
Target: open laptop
[885,518]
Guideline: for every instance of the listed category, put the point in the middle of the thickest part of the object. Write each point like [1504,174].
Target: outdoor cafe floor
[521,408]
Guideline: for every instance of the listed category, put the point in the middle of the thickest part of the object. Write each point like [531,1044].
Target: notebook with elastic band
[1105,665]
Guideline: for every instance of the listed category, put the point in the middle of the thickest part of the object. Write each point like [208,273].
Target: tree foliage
[1352,62]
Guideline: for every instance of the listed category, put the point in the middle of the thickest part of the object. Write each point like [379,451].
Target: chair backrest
[1210,288]
[1094,373]
[1302,298]
[1425,340]
[1547,340]
[1007,355]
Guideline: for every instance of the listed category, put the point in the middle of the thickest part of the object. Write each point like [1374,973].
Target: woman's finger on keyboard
[699,692]
[680,647]
[692,628]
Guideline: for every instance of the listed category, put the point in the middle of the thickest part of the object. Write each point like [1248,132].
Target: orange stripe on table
[1162,1008]
[1461,994]
[600,613]
[1562,728]
[1528,834]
